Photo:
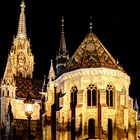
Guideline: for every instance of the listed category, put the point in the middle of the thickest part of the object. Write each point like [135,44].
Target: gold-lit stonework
[90,99]
[17,83]
[87,98]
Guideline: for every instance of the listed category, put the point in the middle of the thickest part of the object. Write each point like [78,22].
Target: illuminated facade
[16,84]
[87,98]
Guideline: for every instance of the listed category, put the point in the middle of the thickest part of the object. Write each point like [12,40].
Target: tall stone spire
[62,55]
[21,33]
[51,75]
[20,62]
[62,48]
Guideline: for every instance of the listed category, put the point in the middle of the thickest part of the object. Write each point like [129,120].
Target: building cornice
[92,72]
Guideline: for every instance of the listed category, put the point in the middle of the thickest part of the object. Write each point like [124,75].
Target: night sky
[116,24]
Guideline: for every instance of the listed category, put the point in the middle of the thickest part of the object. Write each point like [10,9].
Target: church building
[88,97]
[18,83]
[85,97]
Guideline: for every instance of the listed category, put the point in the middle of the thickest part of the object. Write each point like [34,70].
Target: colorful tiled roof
[28,86]
[91,54]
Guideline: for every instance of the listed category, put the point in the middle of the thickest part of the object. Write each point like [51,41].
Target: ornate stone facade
[90,99]
[121,113]
[16,84]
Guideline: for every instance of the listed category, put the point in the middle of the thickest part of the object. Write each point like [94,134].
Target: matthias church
[86,95]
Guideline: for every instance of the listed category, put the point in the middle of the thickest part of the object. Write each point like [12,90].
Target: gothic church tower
[20,59]
[18,80]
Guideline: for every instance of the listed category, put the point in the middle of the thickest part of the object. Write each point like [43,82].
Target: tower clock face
[21,59]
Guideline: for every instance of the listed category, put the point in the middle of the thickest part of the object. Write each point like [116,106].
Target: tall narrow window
[91,128]
[91,95]
[107,97]
[73,96]
[73,104]
[110,95]
[109,129]
[111,98]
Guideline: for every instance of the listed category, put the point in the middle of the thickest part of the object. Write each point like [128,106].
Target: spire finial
[62,20]
[22,25]
[22,5]
[90,24]
[51,72]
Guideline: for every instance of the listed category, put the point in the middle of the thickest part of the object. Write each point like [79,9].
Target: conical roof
[91,54]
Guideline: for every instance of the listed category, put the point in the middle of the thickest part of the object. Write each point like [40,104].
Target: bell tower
[20,59]
[20,63]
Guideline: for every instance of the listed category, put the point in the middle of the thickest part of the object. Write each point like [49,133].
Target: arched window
[73,96]
[73,104]
[91,128]
[110,95]
[109,129]
[91,95]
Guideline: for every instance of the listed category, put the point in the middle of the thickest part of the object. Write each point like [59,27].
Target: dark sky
[116,24]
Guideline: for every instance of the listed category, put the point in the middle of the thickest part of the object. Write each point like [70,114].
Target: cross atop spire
[22,4]
[62,20]
[21,33]
[90,27]
[62,48]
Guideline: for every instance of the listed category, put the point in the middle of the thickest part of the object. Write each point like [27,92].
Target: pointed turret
[8,78]
[62,55]
[51,75]
[136,107]
[22,24]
